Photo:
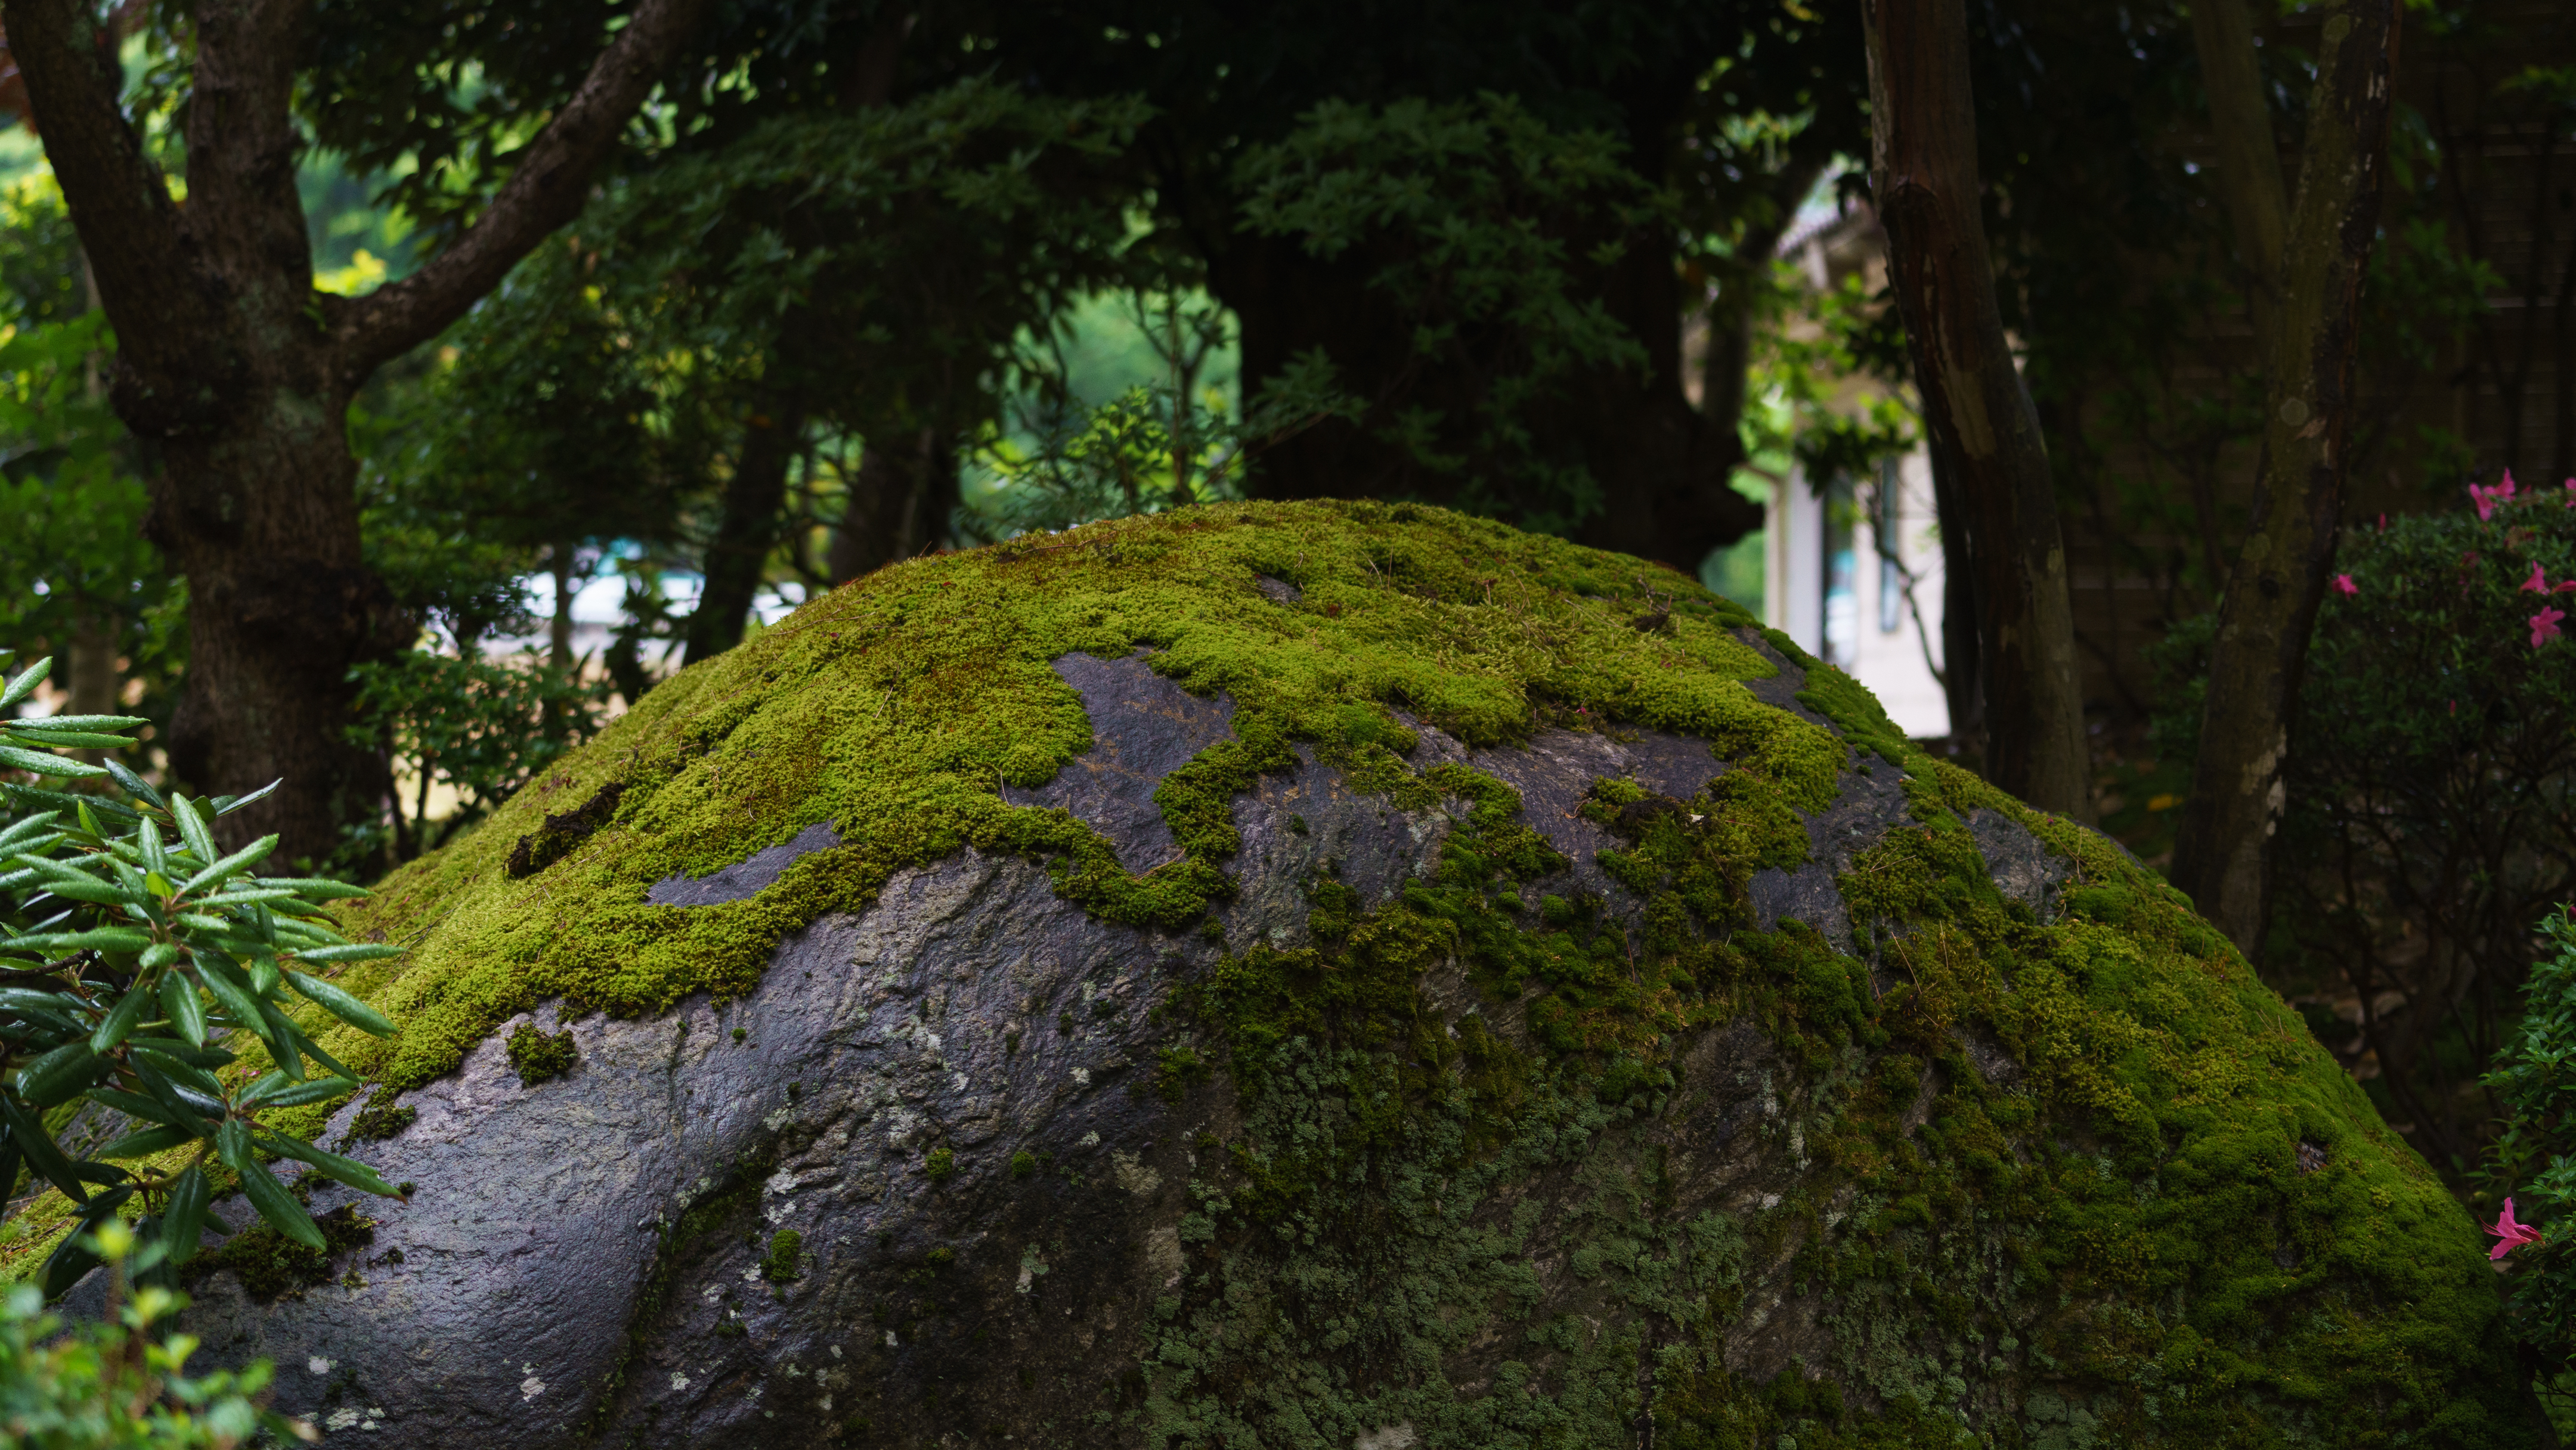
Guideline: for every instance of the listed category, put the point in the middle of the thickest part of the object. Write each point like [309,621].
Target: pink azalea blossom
[2571,493]
[2514,1235]
[2487,498]
[2537,583]
[2544,625]
[2344,583]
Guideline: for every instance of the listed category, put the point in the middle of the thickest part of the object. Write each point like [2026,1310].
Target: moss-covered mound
[1982,1152]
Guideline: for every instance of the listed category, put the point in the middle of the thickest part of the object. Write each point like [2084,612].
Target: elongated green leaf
[27,732]
[144,1142]
[100,893]
[38,798]
[132,784]
[283,1041]
[343,1006]
[231,990]
[232,865]
[245,896]
[186,1012]
[81,722]
[192,829]
[71,1259]
[150,1109]
[193,1055]
[275,1204]
[314,1090]
[37,1146]
[357,952]
[185,1224]
[313,1050]
[158,955]
[28,999]
[102,939]
[182,1104]
[226,805]
[60,1074]
[347,1170]
[180,1073]
[37,762]
[18,833]
[27,681]
[121,1019]
[315,888]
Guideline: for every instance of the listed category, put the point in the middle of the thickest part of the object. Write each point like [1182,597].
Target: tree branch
[128,226]
[546,191]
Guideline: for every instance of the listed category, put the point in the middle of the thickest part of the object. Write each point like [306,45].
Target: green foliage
[2432,798]
[481,727]
[940,1165]
[122,1383]
[144,962]
[1491,230]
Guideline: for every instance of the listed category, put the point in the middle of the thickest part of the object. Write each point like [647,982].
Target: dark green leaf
[60,1075]
[276,1204]
[38,763]
[186,1012]
[70,1261]
[27,681]
[37,1145]
[185,1223]
[360,952]
[341,1005]
[121,1019]
[232,865]
[347,1170]
[152,1110]
[144,1142]
[226,805]
[132,784]
[190,1053]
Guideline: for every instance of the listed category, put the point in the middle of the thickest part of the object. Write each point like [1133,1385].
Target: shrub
[143,962]
[2430,819]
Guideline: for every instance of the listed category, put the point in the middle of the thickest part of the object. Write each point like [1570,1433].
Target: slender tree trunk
[2222,853]
[753,500]
[1984,431]
[899,504]
[2249,164]
[1962,665]
[230,363]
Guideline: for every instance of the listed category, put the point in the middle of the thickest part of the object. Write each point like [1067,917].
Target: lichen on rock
[1314,975]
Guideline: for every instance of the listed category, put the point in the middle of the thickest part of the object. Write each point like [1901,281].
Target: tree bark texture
[1984,433]
[2249,164]
[240,374]
[2222,853]
[755,498]
[906,490]
[1660,467]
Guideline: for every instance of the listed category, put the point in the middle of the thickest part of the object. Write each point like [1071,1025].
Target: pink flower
[2544,625]
[2344,583]
[2514,1235]
[2571,493]
[2487,498]
[2537,583]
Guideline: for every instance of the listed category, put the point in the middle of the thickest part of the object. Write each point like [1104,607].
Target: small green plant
[536,1056]
[786,1252]
[740,1033]
[1064,1023]
[140,958]
[116,1382]
[1023,1163]
[941,1166]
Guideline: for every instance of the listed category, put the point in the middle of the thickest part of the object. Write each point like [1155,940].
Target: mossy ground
[2125,1244]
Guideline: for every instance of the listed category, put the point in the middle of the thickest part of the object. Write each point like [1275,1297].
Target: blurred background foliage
[889,281]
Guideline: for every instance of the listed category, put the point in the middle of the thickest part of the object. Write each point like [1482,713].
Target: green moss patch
[272,1266]
[537,1056]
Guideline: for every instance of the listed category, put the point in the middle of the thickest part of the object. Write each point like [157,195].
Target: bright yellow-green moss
[896,707]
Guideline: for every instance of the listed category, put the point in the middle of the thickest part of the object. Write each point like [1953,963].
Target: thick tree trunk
[2222,854]
[753,500]
[1984,432]
[241,374]
[2249,164]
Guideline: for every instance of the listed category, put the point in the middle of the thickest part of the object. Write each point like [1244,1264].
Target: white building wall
[1874,625]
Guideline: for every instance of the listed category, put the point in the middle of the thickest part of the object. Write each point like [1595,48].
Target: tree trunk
[753,500]
[2249,164]
[2222,853]
[1984,432]
[905,491]
[230,363]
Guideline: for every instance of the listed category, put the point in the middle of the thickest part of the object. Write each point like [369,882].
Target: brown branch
[129,228]
[547,190]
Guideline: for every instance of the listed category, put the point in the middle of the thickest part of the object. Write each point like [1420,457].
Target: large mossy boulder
[1335,976]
